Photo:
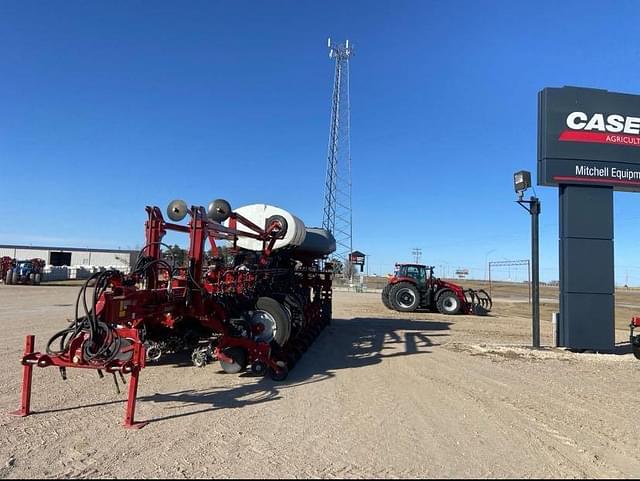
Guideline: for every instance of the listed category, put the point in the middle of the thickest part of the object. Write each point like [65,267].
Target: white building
[72,256]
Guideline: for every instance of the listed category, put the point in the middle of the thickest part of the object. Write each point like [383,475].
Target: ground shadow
[620,349]
[429,311]
[345,344]
[359,342]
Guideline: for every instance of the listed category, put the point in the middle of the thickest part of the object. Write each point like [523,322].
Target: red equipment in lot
[14,271]
[413,286]
[633,338]
[6,265]
[264,312]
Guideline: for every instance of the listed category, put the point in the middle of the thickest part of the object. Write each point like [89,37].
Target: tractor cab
[24,268]
[418,272]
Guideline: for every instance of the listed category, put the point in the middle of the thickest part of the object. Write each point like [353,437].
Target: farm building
[71,256]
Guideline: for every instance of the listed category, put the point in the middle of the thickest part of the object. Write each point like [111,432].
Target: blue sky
[109,106]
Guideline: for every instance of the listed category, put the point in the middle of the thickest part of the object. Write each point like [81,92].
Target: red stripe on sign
[600,138]
[597,181]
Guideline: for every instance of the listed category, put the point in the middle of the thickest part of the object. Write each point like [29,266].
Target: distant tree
[177,254]
[349,270]
[338,265]
[224,253]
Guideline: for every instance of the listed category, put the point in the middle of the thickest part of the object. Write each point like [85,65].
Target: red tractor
[413,286]
[635,338]
[6,266]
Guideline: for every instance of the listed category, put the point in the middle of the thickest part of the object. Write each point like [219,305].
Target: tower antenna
[337,217]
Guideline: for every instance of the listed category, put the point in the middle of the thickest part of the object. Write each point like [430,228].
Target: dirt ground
[379,394]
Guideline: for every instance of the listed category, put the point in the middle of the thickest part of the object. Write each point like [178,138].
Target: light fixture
[521,182]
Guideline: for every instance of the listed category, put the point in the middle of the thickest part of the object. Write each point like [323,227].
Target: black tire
[385,296]
[404,297]
[316,330]
[38,278]
[291,360]
[9,278]
[448,303]
[281,374]
[300,345]
[326,312]
[279,316]
[284,226]
[306,340]
[297,353]
[258,368]
[32,278]
[239,357]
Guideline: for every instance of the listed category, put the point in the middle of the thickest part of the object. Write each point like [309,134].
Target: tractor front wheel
[404,297]
[385,296]
[635,346]
[448,303]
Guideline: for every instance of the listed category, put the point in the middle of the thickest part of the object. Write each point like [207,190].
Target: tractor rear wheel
[448,303]
[385,296]
[404,297]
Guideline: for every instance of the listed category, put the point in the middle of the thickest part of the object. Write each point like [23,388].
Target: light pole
[521,182]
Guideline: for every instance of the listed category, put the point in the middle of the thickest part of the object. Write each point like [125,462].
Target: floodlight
[521,181]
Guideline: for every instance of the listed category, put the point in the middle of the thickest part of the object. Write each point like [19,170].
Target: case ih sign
[589,137]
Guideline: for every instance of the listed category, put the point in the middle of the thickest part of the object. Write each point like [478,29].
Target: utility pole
[417,254]
[337,215]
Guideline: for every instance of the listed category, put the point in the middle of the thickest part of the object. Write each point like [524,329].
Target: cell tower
[337,216]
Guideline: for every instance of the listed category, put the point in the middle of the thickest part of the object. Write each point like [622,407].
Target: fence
[64,273]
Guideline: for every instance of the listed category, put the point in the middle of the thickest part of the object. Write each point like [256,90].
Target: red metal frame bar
[133,367]
[27,377]
[129,419]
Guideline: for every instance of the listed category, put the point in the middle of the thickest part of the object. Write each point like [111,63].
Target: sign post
[588,146]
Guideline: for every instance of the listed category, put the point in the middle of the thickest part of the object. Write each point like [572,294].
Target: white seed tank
[313,242]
